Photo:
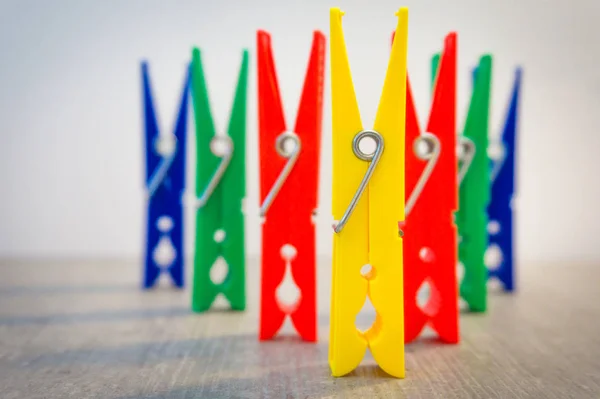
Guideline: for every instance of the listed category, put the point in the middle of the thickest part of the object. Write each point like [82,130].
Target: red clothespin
[430,243]
[289,169]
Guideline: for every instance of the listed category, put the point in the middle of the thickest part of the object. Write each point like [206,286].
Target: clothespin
[289,169]
[220,189]
[165,181]
[474,190]
[430,245]
[500,209]
[368,204]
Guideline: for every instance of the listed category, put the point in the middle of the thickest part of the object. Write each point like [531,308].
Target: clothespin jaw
[430,244]
[165,182]
[500,210]
[288,185]
[220,189]
[368,203]
[474,193]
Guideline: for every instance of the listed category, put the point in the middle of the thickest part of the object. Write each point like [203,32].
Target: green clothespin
[220,189]
[475,186]
[474,191]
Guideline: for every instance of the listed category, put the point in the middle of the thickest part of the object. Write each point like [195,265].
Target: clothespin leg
[234,191]
[347,346]
[271,314]
[304,273]
[234,289]
[414,317]
[445,311]
[505,272]
[151,269]
[471,252]
[163,205]
[176,269]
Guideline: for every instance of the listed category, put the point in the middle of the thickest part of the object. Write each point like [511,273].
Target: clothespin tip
[337,11]
[402,12]
[318,34]
[518,72]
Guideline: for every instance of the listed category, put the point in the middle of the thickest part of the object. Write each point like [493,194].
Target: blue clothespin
[165,183]
[503,187]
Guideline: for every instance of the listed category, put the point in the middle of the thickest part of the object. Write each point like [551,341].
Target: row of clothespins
[458,200]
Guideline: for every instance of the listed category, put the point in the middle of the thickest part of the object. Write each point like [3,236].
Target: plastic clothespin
[500,209]
[430,244]
[165,182]
[368,204]
[220,190]
[474,190]
[289,169]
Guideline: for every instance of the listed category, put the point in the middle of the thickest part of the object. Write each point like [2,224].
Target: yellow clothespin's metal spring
[225,155]
[373,158]
[292,155]
[466,153]
[431,153]
[166,146]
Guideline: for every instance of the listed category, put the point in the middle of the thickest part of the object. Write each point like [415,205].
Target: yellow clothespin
[368,204]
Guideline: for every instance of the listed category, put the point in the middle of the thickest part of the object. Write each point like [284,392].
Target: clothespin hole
[460,272]
[164,224]
[287,144]
[288,252]
[493,227]
[165,145]
[367,146]
[494,284]
[366,317]
[218,271]
[219,236]
[164,253]
[493,257]
[287,292]
[495,151]
[464,148]
[427,255]
[221,145]
[460,151]
[423,298]
[367,271]
[424,147]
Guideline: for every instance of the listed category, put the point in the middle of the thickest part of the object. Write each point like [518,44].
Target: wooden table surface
[86,330]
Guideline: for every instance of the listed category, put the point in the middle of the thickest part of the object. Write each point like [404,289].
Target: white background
[71,139]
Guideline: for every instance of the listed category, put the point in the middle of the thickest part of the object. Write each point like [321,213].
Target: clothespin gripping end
[426,147]
[221,146]
[373,158]
[288,145]
[166,147]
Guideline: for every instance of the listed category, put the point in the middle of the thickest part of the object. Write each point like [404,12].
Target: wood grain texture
[85,330]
